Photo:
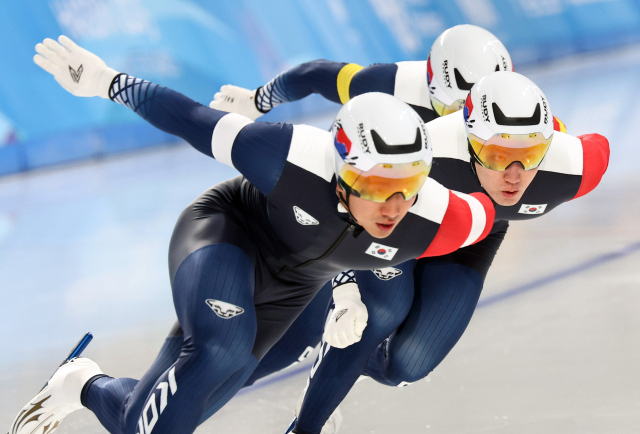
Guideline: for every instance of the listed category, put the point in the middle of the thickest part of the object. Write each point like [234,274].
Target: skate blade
[75,352]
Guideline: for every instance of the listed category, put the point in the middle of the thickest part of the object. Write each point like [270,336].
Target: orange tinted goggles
[502,150]
[384,180]
[443,109]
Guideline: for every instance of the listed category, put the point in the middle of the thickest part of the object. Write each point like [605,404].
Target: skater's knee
[223,353]
[402,375]
[385,317]
[382,322]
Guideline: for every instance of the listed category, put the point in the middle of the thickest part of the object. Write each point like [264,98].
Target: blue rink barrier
[82,144]
[195,46]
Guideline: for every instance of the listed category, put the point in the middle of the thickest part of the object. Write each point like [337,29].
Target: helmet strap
[473,166]
[472,162]
[473,158]
[345,200]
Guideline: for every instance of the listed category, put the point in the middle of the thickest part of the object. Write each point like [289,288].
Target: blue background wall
[195,46]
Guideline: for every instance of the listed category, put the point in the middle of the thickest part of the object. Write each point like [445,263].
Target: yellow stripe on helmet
[344,80]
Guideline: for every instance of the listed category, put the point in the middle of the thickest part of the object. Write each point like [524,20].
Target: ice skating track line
[488,301]
[559,275]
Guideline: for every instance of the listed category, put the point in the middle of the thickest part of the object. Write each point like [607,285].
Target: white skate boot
[58,398]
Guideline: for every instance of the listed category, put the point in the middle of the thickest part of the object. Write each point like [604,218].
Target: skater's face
[379,219]
[505,187]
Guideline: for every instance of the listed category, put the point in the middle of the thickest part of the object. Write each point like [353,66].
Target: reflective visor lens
[501,150]
[384,180]
[444,109]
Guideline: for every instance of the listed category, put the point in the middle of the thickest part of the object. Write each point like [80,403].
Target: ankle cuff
[87,385]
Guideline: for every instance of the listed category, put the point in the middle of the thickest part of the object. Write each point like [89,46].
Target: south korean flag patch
[381,251]
[387,273]
[532,209]
[304,218]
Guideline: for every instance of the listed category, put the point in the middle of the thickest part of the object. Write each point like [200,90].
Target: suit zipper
[330,250]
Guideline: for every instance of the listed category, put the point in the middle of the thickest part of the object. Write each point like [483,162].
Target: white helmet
[381,146]
[459,58]
[508,119]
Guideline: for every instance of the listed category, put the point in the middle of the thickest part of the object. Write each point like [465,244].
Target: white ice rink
[554,346]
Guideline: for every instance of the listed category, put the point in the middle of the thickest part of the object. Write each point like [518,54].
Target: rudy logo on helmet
[445,71]
[508,129]
[485,110]
[388,148]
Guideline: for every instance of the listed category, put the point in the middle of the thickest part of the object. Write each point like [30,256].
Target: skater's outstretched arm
[258,150]
[335,81]
[317,76]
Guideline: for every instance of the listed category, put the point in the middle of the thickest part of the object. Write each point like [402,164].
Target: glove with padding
[77,70]
[349,317]
[234,99]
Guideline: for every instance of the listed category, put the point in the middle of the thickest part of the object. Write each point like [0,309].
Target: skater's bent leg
[445,298]
[299,340]
[336,370]
[213,296]
[273,319]
[227,390]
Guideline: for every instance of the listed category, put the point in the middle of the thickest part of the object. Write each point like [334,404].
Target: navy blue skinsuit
[416,317]
[242,263]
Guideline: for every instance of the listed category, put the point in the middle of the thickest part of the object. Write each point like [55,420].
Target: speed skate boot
[58,398]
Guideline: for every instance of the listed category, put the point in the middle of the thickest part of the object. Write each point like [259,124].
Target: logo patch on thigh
[223,309]
[387,273]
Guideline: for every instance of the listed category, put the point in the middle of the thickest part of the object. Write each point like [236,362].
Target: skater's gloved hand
[349,317]
[236,99]
[77,70]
